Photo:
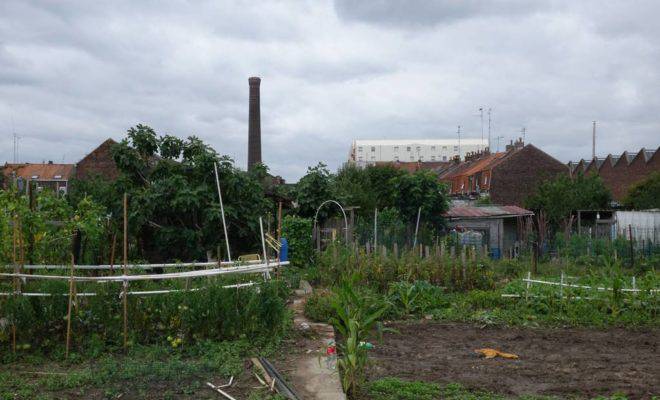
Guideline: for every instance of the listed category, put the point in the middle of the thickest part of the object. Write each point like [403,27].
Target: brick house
[98,163]
[39,176]
[508,177]
[619,173]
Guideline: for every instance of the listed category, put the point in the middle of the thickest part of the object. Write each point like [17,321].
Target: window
[432,158]
[418,148]
[455,148]
[373,149]
[408,149]
[396,149]
[486,180]
[412,158]
[35,176]
[360,149]
[421,158]
[432,148]
[373,158]
[360,158]
[444,158]
[396,158]
[57,177]
[444,147]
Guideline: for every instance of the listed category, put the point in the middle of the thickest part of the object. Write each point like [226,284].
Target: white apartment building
[365,152]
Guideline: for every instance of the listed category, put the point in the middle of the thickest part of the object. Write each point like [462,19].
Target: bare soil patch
[557,362]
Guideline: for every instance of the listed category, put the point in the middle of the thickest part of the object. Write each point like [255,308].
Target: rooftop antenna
[498,142]
[489,144]
[458,132]
[523,131]
[593,141]
[16,138]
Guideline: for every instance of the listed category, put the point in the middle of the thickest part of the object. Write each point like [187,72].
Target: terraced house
[508,177]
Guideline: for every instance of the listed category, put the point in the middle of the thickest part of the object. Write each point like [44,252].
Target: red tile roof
[44,172]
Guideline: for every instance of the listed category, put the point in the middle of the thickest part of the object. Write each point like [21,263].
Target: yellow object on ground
[492,353]
[249,257]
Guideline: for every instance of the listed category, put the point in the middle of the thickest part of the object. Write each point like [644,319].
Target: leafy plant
[356,315]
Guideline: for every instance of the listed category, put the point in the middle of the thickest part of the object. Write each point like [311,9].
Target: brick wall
[518,176]
[98,163]
[621,176]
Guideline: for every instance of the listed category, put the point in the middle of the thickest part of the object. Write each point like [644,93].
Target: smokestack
[254,124]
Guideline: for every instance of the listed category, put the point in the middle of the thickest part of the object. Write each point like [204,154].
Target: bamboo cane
[112,251]
[13,326]
[125,285]
[68,312]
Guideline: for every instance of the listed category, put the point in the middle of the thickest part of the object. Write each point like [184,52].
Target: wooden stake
[68,312]
[125,268]
[14,240]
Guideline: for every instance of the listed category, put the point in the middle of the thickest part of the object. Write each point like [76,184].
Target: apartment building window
[432,148]
[408,149]
[455,148]
[360,149]
[373,149]
[421,158]
[396,158]
[373,158]
[444,158]
[432,158]
[444,147]
[360,158]
[418,148]
[396,149]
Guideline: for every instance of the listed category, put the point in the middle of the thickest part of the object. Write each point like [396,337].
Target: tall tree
[644,195]
[560,197]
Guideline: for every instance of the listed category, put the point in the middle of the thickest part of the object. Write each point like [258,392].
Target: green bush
[318,306]
[174,319]
[298,233]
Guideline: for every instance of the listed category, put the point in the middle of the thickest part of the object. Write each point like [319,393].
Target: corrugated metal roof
[487,212]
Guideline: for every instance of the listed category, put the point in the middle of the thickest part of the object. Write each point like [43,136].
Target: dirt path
[562,362]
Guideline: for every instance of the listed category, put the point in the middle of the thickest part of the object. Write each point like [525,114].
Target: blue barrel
[495,253]
[284,250]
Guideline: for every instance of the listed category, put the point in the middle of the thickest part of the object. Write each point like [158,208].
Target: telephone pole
[593,141]
[498,142]
[481,115]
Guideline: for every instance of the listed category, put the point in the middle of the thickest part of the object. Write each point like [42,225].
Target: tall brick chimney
[254,124]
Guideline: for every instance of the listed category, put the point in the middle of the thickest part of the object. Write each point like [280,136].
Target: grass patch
[174,373]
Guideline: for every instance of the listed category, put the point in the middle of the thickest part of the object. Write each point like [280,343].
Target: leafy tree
[645,194]
[560,197]
[174,212]
[421,189]
[313,189]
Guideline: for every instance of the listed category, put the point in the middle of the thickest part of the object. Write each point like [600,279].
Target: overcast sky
[73,73]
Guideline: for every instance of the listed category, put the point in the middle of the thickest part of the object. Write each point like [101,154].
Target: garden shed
[501,227]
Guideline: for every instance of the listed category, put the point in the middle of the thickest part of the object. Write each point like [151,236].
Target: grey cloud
[427,13]
[74,73]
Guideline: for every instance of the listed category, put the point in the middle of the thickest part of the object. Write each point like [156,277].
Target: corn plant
[356,316]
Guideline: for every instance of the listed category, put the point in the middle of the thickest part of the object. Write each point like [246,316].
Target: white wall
[366,151]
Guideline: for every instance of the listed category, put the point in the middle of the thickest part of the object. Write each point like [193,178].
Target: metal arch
[342,211]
